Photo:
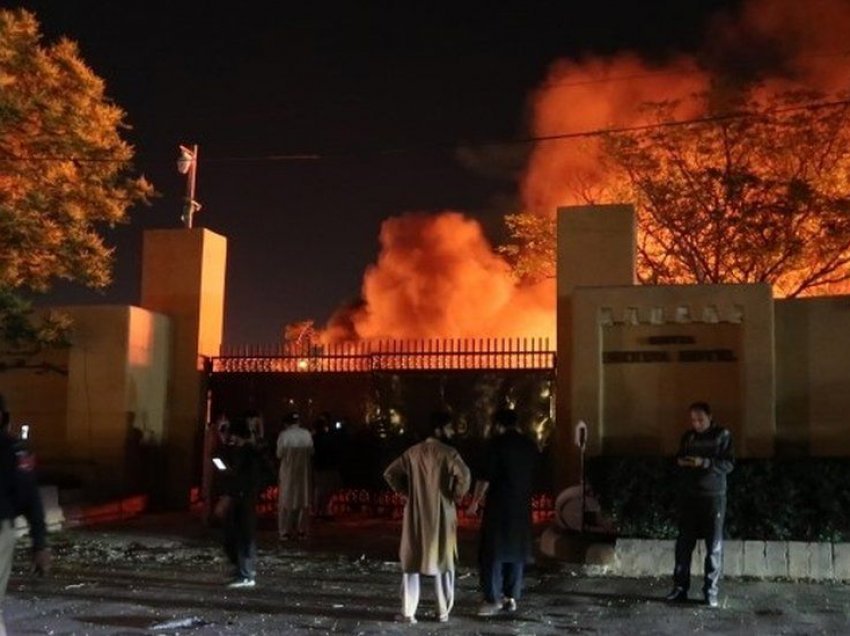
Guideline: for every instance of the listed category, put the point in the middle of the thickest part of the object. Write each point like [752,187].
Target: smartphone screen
[219,464]
[25,431]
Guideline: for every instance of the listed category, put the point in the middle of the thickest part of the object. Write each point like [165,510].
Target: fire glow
[437,276]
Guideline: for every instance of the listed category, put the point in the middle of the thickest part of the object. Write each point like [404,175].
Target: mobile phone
[25,431]
[219,463]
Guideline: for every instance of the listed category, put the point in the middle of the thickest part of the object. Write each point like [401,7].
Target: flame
[438,276]
[784,44]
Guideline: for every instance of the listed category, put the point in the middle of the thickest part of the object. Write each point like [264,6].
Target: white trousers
[291,521]
[444,587]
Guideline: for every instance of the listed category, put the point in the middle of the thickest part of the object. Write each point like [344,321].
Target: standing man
[326,475]
[215,437]
[705,457]
[256,425]
[18,495]
[433,477]
[239,504]
[294,450]
[506,529]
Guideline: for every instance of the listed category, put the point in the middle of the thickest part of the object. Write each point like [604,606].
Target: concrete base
[789,560]
[592,554]
[776,560]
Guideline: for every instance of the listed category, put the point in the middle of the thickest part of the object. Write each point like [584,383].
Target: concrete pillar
[596,248]
[183,277]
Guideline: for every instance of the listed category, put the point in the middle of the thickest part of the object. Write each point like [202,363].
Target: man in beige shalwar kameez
[295,452]
[433,477]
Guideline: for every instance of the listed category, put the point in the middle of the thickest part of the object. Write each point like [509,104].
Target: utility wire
[675,123]
[665,73]
[294,157]
[272,158]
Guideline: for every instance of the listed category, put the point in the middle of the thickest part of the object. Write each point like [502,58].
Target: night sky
[386,92]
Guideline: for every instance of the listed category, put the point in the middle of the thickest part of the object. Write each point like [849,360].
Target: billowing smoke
[774,45]
[787,43]
[590,95]
[438,276]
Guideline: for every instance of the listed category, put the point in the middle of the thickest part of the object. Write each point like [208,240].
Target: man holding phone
[705,457]
[237,507]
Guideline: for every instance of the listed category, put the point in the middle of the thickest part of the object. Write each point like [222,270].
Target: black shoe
[711,600]
[678,595]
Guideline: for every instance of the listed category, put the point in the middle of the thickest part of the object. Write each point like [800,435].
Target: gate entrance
[379,395]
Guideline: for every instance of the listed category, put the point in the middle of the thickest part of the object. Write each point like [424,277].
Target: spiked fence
[388,355]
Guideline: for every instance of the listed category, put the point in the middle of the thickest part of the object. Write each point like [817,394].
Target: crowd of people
[240,463]
[431,475]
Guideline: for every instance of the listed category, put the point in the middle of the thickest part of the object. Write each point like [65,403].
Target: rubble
[149,579]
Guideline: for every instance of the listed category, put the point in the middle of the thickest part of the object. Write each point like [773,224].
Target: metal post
[189,211]
[581,442]
[583,491]
[188,164]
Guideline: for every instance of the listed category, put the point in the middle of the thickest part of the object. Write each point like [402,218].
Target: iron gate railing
[389,355]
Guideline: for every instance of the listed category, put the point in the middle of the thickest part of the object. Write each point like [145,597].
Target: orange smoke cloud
[809,40]
[590,95]
[784,44]
[437,276]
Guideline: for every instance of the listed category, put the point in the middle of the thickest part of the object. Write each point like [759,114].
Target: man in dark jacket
[326,475]
[19,495]
[506,529]
[705,457]
[243,482]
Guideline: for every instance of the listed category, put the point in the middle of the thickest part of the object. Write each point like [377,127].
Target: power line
[682,122]
[233,159]
[272,158]
[668,73]
[294,157]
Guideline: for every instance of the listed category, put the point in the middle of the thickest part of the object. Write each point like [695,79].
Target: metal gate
[381,393]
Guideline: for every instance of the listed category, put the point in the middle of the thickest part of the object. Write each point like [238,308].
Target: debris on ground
[151,578]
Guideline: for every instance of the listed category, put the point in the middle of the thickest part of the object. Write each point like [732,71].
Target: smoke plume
[437,276]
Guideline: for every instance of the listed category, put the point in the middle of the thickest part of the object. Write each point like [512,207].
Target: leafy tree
[533,250]
[64,172]
[763,196]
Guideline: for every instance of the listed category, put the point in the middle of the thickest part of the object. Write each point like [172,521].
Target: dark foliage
[768,499]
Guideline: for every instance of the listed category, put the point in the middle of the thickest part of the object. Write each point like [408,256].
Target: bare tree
[758,195]
[762,196]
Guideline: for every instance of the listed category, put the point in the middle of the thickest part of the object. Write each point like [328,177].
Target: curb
[786,560]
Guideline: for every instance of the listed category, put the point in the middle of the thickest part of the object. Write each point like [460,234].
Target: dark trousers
[501,578]
[700,518]
[239,538]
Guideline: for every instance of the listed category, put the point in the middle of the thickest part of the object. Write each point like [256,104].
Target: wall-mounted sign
[649,356]
[671,340]
[683,355]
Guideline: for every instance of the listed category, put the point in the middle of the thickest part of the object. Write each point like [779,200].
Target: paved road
[139,577]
